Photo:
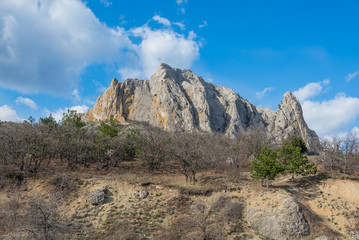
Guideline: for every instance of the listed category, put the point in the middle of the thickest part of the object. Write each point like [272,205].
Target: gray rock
[143,193]
[176,99]
[354,235]
[282,222]
[321,238]
[98,197]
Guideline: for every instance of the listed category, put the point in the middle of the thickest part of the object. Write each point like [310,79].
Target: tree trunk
[266,182]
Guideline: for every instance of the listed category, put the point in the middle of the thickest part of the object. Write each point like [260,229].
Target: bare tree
[192,151]
[154,148]
[251,141]
[350,149]
[341,154]
[43,220]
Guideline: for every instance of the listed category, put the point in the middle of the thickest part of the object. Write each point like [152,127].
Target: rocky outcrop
[283,222]
[176,99]
[98,197]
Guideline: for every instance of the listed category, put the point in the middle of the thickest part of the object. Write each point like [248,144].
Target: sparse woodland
[200,163]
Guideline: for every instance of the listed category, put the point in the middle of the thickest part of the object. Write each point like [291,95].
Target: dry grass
[330,205]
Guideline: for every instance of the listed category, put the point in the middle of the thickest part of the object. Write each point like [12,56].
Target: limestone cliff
[176,99]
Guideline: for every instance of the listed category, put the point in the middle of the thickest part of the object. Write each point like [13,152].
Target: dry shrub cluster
[33,218]
[63,185]
[206,220]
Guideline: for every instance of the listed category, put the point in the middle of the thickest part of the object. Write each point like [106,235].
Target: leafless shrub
[63,185]
[43,220]
[206,219]
[341,154]
[11,217]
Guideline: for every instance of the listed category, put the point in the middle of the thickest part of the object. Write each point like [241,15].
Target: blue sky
[62,54]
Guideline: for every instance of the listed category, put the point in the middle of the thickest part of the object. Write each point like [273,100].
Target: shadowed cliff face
[176,99]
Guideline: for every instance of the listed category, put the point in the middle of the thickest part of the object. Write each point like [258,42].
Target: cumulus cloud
[26,101]
[333,116]
[46,44]
[8,114]
[351,76]
[311,90]
[57,114]
[204,24]
[163,45]
[264,91]
[162,20]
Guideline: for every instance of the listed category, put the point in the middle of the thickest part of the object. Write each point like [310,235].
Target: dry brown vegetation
[198,184]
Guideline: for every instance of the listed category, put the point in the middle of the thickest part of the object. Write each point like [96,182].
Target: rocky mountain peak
[114,82]
[290,99]
[176,99]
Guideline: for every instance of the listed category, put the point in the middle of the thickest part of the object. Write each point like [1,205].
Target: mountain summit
[175,99]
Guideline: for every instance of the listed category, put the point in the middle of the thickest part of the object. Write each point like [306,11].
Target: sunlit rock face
[175,99]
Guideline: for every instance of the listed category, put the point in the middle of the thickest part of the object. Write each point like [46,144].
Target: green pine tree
[295,162]
[109,129]
[266,167]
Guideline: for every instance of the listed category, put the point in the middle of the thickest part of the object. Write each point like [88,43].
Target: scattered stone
[143,193]
[322,238]
[98,197]
[354,235]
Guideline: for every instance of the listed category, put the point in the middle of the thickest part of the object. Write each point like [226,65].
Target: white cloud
[351,76]
[204,24]
[355,131]
[333,116]
[130,73]
[57,114]
[46,44]
[264,91]
[26,101]
[75,93]
[180,25]
[181,3]
[310,90]
[163,45]
[106,3]
[8,114]
[161,20]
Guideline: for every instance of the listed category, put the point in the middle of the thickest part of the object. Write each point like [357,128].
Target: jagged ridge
[176,99]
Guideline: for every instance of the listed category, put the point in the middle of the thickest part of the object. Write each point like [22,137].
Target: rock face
[283,222]
[176,99]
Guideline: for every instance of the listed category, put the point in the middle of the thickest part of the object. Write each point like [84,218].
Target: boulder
[283,222]
[98,196]
[143,193]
